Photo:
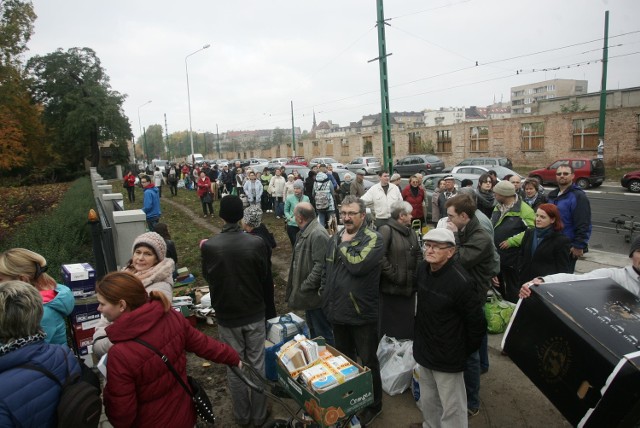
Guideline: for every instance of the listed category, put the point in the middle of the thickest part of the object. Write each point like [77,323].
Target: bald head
[304,213]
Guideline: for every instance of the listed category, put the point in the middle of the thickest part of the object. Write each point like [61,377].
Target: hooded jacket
[325,185]
[140,389]
[151,203]
[351,278]
[575,211]
[28,398]
[54,317]
[400,262]
[307,263]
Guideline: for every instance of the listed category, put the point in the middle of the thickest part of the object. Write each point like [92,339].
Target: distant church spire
[314,120]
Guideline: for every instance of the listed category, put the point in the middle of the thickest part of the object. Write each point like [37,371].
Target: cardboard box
[270,357]
[579,344]
[80,278]
[85,309]
[83,337]
[342,400]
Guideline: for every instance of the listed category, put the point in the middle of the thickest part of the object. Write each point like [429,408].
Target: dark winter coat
[351,278]
[140,390]
[450,321]
[415,201]
[267,281]
[477,254]
[401,257]
[551,256]
[234,264]
[28,398]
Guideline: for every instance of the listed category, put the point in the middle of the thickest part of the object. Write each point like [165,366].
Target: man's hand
[525,289]
[504,245]
[451,226]
[576,253]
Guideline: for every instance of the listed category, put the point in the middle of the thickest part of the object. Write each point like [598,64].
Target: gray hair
[352,199]
[400,207]
[20,310]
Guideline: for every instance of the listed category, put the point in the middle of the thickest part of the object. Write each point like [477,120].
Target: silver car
[430,182]
[370,164]
[327,161]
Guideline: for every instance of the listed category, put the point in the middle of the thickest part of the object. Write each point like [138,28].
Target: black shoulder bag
[203,406]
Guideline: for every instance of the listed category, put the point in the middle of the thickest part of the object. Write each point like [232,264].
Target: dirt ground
[508,398]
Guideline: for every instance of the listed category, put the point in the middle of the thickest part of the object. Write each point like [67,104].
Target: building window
[551,87]
[533,136]
[528,100]
[367,146]
[579,88]
[479,139]
[344,150]
[443,141]
[585,134]
[415,142]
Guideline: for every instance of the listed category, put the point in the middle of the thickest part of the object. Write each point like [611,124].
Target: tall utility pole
[603,88]
[293,133]
[384,89]
[218,142]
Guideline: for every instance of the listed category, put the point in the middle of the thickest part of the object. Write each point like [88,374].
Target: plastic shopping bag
[396,372]
[498,313]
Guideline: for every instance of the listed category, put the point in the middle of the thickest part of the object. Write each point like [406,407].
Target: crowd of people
[372,276]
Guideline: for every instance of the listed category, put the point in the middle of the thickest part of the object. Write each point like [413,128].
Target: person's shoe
[205,216]
[368,415]
[415,425]
[278,217]
[484,370]
[472,412]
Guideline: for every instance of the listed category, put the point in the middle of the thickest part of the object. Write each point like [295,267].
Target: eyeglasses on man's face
[349,213]
[563,173]
[434,247]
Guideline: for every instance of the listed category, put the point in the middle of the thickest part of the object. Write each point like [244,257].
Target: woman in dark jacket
[140,389]
[544,249]
[398,278]
[485,199]
[532,194]
[28,397]
[309,182]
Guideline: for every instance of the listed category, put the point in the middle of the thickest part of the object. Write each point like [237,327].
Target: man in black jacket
[450,324]
[235,264]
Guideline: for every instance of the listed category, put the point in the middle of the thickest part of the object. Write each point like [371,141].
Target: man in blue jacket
[575,211]
[151,204]
[350,293]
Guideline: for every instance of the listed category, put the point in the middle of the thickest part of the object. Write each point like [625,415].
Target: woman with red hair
[141,391]
[544,249]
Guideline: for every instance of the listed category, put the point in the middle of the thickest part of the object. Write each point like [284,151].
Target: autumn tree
[80,108]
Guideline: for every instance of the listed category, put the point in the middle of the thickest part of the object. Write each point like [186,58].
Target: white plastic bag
[396,365]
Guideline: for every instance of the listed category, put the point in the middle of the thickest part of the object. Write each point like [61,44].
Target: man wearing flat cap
[448,193]
[235,264]
[357,186]
[449,327]
[510,218]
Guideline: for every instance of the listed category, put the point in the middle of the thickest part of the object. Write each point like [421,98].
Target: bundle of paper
[298,354]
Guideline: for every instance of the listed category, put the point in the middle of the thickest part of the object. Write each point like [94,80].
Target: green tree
[155,142]
[80,108]
[16,27]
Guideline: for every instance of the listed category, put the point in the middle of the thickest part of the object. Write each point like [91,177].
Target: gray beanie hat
[505,188]
[298,184]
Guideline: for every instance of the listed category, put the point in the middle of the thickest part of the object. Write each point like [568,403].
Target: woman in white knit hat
[150,264]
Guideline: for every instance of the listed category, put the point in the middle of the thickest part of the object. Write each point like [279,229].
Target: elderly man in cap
[450,324]
[235,264]
[448,193]
[289,206]
[357,186]
[510,218]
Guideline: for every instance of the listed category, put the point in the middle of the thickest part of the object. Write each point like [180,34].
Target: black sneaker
[472,412]
[368,415]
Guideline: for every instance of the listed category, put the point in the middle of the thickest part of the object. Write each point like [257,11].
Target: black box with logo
[579,343]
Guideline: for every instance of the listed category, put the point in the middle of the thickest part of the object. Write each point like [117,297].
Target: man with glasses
[151,203]
[575,211]
[350,293]
[450,324]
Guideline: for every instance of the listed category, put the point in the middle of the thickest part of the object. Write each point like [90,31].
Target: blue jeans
[319,325]
[279,207]
[484,353]
[362,341]
[151,223]
[472,380]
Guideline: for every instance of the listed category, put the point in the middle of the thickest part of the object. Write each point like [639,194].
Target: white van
[197,157]
[160,163]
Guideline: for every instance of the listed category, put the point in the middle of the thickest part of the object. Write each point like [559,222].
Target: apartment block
[524,98]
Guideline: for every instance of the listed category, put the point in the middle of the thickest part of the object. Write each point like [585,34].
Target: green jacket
[511,227]
[289,205]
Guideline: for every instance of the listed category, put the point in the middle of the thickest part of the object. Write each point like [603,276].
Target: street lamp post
[186,67]
[140,125]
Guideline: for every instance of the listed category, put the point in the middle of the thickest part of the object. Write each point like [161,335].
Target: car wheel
[634,186]
[582,183]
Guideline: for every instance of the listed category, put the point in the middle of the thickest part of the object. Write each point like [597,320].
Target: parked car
[423,164]
[431,181]
[588,172]
[631,181]
[243,162]
[484,161]
[370,164]
[297,160]
[279,161]
[501,171]
[327,161]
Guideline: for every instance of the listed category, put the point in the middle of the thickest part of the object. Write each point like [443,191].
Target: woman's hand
[240,364]
[525,289]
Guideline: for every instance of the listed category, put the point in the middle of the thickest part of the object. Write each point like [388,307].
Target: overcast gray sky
[267,53]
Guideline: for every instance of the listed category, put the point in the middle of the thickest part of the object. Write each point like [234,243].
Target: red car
[297,160]
[588,172]
[631,181]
